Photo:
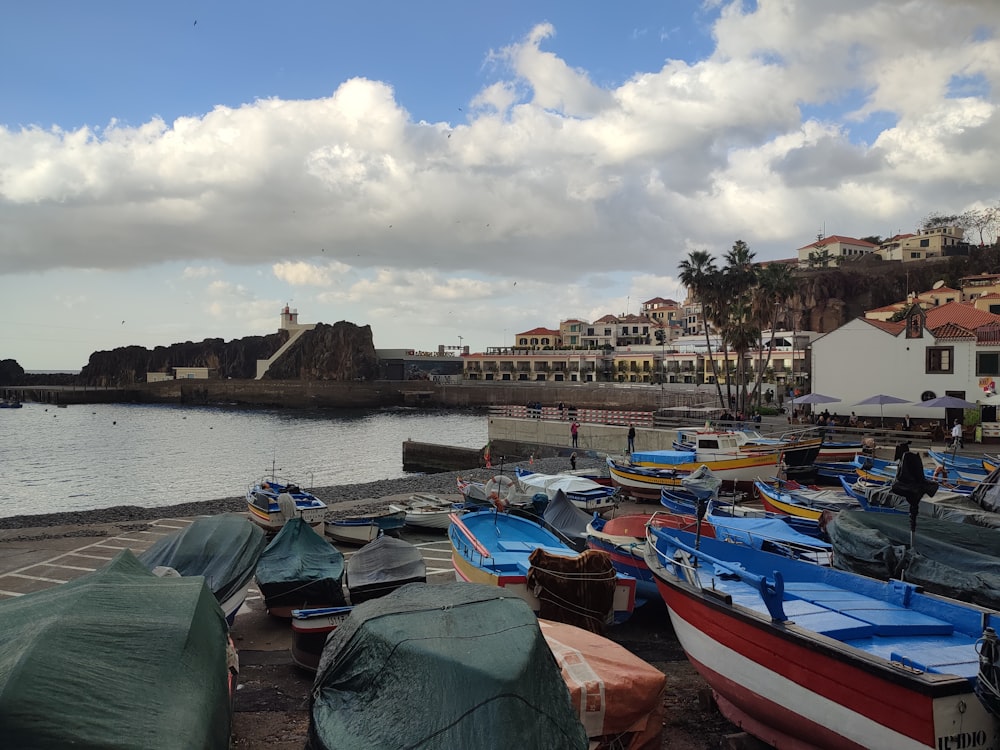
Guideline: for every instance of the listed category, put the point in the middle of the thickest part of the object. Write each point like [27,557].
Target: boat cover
[300,568]
[762,533]
[957,560]
[618,696]
[382,566]
[987,494]
[702,483]
[224,549]
[663,458]
[550,484]
[118,658]
[561,514]
[455,665]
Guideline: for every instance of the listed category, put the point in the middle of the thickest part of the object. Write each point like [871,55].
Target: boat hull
[310,628]
[795,687]
[510,571]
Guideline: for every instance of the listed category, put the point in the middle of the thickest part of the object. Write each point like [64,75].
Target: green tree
[699,274]
[737,322]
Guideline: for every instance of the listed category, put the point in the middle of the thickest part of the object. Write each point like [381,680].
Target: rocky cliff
[829,297]
[342,351]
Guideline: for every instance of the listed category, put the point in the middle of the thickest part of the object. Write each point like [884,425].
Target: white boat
[585,494]
[271,502]
[359,530]
[427,511]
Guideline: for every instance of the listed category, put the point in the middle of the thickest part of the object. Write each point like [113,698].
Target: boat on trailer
[801,655]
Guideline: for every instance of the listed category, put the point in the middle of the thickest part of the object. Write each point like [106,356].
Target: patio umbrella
[948,402]
[815,398]
[881,399]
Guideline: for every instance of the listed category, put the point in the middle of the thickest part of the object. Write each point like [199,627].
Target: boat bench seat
[885,619]
[507,562]
[960,660]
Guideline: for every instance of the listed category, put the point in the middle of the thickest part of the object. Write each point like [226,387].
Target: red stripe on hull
[809,664]
[742,713]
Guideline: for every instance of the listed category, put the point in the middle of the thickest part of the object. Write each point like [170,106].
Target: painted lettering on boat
[963,741]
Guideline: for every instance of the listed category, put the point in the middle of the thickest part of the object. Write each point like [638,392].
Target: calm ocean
[84,457]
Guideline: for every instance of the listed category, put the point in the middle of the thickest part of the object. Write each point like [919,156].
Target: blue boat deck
[881,628]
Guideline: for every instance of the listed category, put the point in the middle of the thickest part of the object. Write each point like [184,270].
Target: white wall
[858,360]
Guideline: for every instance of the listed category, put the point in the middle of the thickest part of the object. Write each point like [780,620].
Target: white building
[952,349]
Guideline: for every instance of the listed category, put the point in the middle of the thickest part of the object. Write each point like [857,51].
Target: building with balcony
[833,250]
[932,242]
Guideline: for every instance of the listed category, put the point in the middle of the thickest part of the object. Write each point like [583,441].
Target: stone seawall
[299,394]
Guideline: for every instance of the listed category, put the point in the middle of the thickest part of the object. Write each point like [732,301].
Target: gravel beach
[343,500]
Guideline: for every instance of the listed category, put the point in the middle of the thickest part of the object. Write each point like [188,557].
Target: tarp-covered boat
[382,566]
[568,520]
[299,569]
[585,494]
[618,696]
[224,549]
[118,658]
[952,559]
[397,675]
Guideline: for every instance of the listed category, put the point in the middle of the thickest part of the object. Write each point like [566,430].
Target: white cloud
[548,179]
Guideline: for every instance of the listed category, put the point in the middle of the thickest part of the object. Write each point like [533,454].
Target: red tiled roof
[940,290]
[952,331]
[838,238]
[961,314]
[607,319]
[885,325]
[538,332]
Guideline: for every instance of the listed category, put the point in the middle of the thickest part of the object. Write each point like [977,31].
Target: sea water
[83,457]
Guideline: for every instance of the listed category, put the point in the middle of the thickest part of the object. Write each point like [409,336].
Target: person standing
[572,460]
[956,435]
[574,431]
[907,424]
[631,438]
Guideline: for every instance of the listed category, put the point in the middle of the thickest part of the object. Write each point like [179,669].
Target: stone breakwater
[343,500]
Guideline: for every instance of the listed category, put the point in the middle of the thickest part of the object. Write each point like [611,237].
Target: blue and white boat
[500,549]
[585,494]
[271,502]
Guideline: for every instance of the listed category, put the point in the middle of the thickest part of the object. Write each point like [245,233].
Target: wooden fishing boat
[117,658]
[499,549]
[359,530]
[791,504]
[223,549]
[381,567]
[310,629]
[587,495]
[270,502]
[299,569]
[425,511]
[642,482]
[802,655]
[624,539]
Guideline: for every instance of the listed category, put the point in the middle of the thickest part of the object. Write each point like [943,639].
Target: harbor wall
[545,438]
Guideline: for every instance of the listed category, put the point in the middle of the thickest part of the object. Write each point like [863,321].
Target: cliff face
[827,298]
[342,351]
[129,364]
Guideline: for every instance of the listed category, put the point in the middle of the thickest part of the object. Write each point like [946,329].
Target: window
[939,359]
[915,256]
[925,243]
[988,363]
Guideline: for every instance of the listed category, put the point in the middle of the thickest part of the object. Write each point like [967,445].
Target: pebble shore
[343,500]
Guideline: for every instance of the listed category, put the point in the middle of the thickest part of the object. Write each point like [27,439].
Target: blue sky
[178,171]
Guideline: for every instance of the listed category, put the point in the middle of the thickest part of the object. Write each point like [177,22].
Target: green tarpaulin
[441,666]
[116,659]
[224,549]
[299,568]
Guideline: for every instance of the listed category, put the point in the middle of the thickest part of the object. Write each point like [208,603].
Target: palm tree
[775,286]
[739,328]
[697,273]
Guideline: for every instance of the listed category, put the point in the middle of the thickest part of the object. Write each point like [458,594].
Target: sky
[452,173]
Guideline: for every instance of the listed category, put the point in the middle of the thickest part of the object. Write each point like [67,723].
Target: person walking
[572,460]
[574,431]
[956,436]
[631,438]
